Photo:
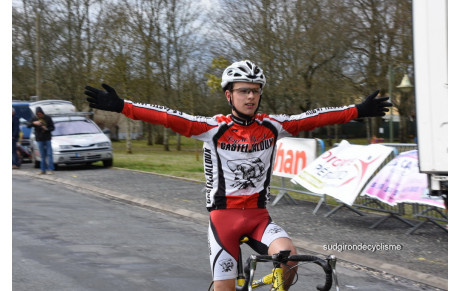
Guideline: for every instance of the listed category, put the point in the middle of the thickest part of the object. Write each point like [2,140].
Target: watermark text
[376,247]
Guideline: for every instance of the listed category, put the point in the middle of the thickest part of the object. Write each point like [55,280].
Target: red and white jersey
[238,156]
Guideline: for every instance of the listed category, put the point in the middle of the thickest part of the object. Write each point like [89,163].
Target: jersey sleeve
[309,120]
[180,122]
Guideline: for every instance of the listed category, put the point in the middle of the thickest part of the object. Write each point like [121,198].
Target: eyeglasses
[246,91]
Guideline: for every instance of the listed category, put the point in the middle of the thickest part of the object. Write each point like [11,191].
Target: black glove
[373,106]
[105,100]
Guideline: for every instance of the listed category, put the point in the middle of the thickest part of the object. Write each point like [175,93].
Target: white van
[76,138]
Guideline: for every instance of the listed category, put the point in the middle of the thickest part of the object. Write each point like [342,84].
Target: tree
[115,56]
[314,52]
[24,54]
[382,37]
[292,41]
[165,34]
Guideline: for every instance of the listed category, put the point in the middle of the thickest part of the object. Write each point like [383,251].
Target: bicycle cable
[289,274]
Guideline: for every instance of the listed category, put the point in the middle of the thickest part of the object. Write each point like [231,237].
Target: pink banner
[401,181]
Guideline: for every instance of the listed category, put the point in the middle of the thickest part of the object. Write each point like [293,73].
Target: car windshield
[74,127]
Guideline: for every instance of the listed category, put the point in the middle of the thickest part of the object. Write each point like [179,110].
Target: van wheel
[107,163]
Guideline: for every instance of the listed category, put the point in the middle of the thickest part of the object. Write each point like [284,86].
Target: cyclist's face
[245,97]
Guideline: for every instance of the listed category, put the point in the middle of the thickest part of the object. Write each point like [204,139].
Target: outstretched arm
[312,119]
[180,122]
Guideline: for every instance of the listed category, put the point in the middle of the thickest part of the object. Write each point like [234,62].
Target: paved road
[63,240]
[423,257]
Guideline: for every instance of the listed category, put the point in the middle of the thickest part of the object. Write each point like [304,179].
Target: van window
[74,127]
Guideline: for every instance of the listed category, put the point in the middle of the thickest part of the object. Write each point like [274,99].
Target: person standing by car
[238,151]
[43,125]
[15,133]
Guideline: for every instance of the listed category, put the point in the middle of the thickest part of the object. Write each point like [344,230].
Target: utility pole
[37,55]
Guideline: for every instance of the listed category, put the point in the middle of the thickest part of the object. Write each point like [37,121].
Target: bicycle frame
[276,278]
[245,278]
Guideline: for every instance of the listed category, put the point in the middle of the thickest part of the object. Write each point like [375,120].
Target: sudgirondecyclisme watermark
[370,247]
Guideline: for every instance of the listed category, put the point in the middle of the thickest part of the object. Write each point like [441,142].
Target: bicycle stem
[332,261]
[252,271]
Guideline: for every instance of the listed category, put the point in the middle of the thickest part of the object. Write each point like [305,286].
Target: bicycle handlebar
[320,262]
[325,265]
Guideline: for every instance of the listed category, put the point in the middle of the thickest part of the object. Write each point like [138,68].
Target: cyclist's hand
[373,106]
[105,100]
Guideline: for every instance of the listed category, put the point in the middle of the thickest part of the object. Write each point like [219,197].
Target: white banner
[293,155]
[342,171]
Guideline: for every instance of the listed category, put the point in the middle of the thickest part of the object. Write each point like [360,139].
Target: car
[76,138]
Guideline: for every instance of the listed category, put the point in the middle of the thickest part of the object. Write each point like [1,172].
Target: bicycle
[246,272]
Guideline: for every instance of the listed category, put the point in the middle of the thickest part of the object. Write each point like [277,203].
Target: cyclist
[239,151]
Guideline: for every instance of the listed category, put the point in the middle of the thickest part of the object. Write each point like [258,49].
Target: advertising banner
[342,171]
[401,181]
[293,155]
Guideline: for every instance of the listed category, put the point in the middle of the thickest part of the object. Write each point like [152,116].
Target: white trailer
[430,63]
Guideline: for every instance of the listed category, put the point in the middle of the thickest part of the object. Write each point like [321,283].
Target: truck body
[430,63]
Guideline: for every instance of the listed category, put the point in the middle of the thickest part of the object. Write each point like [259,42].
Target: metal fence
[412,214]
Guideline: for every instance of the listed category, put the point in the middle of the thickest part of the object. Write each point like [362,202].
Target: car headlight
[103,144]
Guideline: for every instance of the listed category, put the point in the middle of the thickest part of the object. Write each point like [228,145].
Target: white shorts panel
[223,265]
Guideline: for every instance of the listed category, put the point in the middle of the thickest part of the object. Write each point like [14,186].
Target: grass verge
[186,163]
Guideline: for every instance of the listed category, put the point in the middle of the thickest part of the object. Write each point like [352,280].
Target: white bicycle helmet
[243,71]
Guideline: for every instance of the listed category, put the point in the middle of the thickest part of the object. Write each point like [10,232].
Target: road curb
[309,246]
